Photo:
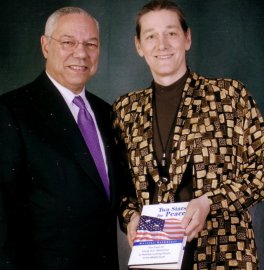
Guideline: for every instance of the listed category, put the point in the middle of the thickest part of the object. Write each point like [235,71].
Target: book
[160,240]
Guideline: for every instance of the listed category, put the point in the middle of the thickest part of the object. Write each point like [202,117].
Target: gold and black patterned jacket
[220,127]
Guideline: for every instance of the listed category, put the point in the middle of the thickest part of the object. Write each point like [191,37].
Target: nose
[80,50]
[163,42]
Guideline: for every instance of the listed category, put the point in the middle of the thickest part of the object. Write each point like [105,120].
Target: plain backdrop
[227,41]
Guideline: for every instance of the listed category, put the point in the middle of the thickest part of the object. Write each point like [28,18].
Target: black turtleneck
[167,100]
[166,103]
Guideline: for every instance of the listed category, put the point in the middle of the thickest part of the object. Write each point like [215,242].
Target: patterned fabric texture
[220,127]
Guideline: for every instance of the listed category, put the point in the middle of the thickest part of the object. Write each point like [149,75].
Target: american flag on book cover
[156,229]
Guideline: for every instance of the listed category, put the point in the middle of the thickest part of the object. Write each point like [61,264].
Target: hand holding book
[195,216]
[132,228]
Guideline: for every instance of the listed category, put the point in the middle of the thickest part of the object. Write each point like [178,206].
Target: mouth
[78,68]
[164,57]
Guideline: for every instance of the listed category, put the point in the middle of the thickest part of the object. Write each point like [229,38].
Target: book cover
[160,240]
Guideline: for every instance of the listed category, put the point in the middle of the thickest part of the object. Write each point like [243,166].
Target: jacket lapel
[146,145]
[184,132]
[60,128]
[185,129]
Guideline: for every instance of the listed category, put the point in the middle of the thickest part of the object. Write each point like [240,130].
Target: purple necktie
[88,130]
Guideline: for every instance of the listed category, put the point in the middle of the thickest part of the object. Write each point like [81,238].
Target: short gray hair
[54,17]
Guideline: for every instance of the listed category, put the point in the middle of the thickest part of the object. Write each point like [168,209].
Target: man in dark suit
[55,211]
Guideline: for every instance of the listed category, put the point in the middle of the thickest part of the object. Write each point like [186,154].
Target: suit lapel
[60,128]
[184,132]
[146,146]
[185,128]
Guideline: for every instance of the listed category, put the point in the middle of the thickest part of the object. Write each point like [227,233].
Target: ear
[138,47]
[44,45]
[188,40]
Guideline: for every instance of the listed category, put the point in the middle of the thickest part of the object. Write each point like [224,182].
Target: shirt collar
[67,94]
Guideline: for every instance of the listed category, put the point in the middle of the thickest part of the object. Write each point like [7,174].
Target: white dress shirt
[68,96]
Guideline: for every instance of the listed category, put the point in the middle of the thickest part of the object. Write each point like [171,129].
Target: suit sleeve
[10,168]
[236,195]
[128,199]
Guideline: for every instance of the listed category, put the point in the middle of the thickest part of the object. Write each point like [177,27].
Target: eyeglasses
[70,44]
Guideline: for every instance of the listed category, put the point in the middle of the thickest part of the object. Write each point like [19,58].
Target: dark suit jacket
[54,212]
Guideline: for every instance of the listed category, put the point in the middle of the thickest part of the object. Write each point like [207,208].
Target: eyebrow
[89,39]
[167,27]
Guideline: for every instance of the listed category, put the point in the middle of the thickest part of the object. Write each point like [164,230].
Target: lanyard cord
[164,159]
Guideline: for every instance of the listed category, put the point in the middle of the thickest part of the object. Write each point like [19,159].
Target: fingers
[195,216]
[130,238]
[195,225]
[191,236]
[186,219]
[132,228]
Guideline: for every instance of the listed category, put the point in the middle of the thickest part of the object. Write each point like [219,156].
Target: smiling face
[72,67]
[163,44]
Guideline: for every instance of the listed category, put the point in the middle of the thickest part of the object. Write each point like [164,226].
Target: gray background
[227,41]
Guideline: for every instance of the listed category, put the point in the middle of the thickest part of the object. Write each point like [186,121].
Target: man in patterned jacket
[190,138]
